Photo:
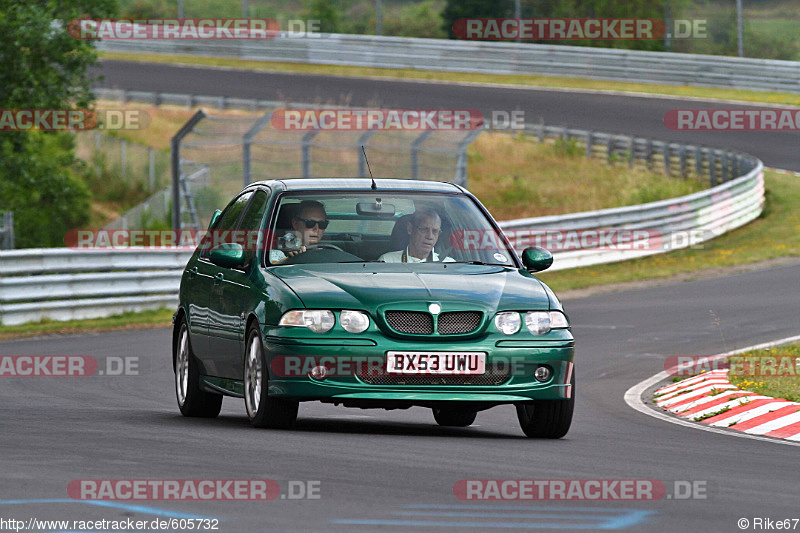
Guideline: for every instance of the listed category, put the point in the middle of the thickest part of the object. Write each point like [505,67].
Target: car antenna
[368,167]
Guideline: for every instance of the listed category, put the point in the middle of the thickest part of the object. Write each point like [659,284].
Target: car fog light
[543,373]
[319,372]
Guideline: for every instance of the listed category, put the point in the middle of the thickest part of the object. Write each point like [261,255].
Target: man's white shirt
[397,257]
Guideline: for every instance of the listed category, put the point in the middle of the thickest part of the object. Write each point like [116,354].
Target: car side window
[227,223]
[251,224]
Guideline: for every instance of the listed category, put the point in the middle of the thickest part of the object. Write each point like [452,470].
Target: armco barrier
[64,284]
[708,214]
[491,58]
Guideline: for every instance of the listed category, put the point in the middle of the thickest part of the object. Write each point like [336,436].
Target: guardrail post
[461,161]
[175,149]
[362,162]
[712,168]
[632,154]
[698,160]
[247,141]
[724,167]
[7,241]
[589,136]
[610,148]
[151,169]
[666,160]
[308,138]
[648,153]
[541,130]
[682,155]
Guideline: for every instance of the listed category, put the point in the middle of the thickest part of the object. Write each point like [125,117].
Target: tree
[474,9]
[325,12]
[43,68]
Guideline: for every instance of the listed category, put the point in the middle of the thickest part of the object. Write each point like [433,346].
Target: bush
[38,183]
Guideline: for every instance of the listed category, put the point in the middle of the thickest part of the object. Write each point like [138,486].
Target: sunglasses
[310,223]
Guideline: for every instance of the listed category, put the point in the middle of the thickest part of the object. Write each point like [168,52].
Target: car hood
[370,285]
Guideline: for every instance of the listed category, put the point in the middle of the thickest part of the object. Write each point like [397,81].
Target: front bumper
[523,357]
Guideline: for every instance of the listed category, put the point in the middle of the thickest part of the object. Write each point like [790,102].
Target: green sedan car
[366,293]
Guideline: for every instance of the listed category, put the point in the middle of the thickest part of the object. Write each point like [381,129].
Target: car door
[232,296]
[222,232]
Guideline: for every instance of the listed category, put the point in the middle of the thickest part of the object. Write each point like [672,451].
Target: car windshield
[387,227]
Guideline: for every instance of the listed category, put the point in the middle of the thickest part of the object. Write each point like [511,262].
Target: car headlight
[508,323]
[558,320]
[317,320]
[538,322]
[354,321]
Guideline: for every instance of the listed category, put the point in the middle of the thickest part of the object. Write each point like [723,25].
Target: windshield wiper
[479,263]
[363,261]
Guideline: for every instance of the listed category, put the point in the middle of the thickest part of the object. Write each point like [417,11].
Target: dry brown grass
[516,177]
[165,121]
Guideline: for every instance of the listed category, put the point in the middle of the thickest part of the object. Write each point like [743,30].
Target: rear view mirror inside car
[375,209]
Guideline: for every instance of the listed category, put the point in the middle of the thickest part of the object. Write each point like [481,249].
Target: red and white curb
[711,399]
[634,398]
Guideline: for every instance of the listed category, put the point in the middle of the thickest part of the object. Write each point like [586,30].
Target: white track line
[633,397]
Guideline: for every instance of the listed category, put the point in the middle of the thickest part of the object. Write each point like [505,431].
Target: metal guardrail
[702,215]
[7,231]
[492,58]
[64,284]
[196,100]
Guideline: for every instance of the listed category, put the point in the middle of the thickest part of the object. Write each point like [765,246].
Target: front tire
[192,400]
[454,417]
[547,419]
[263,411]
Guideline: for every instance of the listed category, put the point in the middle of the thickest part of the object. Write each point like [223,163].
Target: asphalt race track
[641,116]
[395,471]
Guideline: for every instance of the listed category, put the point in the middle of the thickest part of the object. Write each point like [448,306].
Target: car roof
[359,184]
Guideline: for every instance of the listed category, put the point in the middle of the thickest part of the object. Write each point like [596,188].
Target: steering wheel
[323,246]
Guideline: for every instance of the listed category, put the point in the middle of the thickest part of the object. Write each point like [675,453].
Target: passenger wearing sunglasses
[309,226]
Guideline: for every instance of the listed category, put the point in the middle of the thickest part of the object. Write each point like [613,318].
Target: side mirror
[214,218]
[536,259]
[227,254]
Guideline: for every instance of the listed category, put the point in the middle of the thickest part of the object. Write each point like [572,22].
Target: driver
[423,232]
[309,225]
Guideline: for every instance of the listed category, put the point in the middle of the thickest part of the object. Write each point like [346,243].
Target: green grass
[466,77]
[786,386]
[709,415]
[145,319]
[775,234]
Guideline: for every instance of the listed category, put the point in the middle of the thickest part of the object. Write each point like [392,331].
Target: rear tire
[263,411]
[547,419]
[192,400]
[454,417]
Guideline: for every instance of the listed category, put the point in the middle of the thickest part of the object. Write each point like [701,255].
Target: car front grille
[495,375]
[458,322]
[415,322]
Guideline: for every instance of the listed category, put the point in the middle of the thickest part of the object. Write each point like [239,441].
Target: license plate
[436,363]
